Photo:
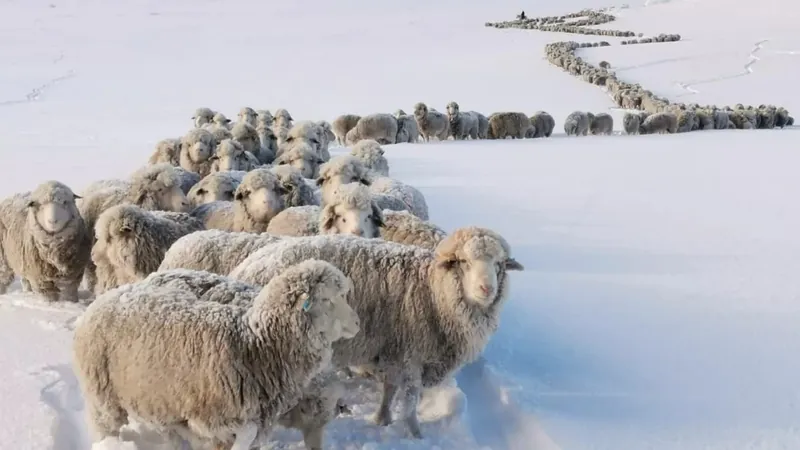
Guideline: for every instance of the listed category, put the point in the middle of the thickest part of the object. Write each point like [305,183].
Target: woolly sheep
[156,187]
[268,143]
[405,228]
[326,137]
[257,200]
[508,124]
[231,155]
[410,195]
[790,121]
[720,119]
[197,147]
[443,305]
[298,191]
[577,124]
[543,123]
[218,132]
[44,240]
[303,157]
[462,125]
[631,123]
[284,115]
[369,151]
[407,130]
[214,251]
[483,125]
[380,127]
[247,136]
[663,122]
[349,210]
[131,242]
[342,124]
[202,116]
[248,115]
[221,120]
[187,179]
[217,186]
[263,118]
[601,124]
[431,123]
[267,351]
[167,151]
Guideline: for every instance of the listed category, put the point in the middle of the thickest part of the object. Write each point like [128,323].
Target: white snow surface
[660,305]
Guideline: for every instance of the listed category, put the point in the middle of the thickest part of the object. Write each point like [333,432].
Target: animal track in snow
[36,93]
[747,70]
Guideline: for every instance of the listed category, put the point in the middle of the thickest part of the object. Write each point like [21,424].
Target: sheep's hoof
[382,419]
[413,427]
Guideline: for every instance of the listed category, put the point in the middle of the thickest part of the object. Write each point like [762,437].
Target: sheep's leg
[69,292]
[46,289]
[6,273]
[90,276]
[384,415]
[26,285]
[245,437]
[413,388]
[104,422]
[313,438]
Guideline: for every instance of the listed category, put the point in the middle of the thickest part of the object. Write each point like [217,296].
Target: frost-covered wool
[299,191]
[218,132]
[663,122]
[369,151]
[197,147]
[268,143]
[231,155]
[202,116]
[257,359]
[307,132]
[462,125]
[577,124]
[221,120]
[342,124]
[214,251]
[257,200]
[405,228]
[410,195]
[431,123]
[483,125]
[601,123]
[407,130]
[381,127]
[217,186]
[248,115]
[131,242]
[246,135]
[442,306]
[543,123]
[515,125]
[167,151]
[631,123]
[188,179]
[326,137]
[303,157]
[342,169]
[44,240]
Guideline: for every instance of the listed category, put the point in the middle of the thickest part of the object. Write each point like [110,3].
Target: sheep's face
[172,198]
[200,152]
[330,312]
[339,219]
[262,204]
[53,216]
[482,263]
[452,109]
[217,193]
[308,164]
[233,161]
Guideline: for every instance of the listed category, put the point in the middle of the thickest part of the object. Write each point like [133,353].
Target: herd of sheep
[243,275]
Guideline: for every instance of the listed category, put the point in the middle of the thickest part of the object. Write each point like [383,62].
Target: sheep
[307,132]
[577,124]
[405,228]
[298,191]
[462,125]
[781,117]
[431,123]
[187,179]
[283,115]
[231,155]
[214,251]
[303,157]
[257,200]
[167,151]
[601,124]
[156,187]
[197,147]
[268,143]
[407,130]
[248,115]
[663,122]
[631,123]
[410,195]
[381,127]
[789,121]
[247,136]
[483,125]
[326,137]
[349,210]
[217,186]
[369,151]
[429,312]
[263,118]
[502,125]
[258,357]
[131,242]
[202,116]
[220,120]
[342,124]
[543,123]
[720,119]
[218,132]
[43,239]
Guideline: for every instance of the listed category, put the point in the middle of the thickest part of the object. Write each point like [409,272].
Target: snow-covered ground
[660,306]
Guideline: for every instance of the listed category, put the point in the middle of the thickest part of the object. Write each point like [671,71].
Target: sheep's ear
[513,264]
[328,217]
[365,181]
[320,181]
[446,264]
[76,196]
[377,216]
[241,195]
[32,204]
[289,138]
[201,191]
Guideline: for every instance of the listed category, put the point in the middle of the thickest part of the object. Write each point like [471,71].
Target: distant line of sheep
[559,24]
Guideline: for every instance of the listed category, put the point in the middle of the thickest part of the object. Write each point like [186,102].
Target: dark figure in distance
[521,16]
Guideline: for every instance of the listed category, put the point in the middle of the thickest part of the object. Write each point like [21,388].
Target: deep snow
[660,303]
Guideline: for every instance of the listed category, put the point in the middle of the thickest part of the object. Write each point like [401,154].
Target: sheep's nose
[359,232]
[485,289]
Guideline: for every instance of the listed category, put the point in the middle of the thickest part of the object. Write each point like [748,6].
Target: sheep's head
[452,109]
[247,115]
[283,114]
[158,188]
[230,156]
[327,132]
[261,195]
[352,136]
[399,113]
[316,291]
[202,116]
[198,145]
[52,206]
[481,258]
[218,186]
[341,170]
[351,211]
[303,157]
[293,183]
[220,119]
[420,110]
[369,151]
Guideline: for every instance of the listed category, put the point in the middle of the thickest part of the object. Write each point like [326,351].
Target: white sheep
[407,130]
[231,155]
[369,151]
[349,210]
[263,118]
[410,196]
[342,124]
[217,186]
[202,116]
[248,115]
[218,132]
[326,137]
[601,123]
[268,143]
[131,242]
[462,125]
[257,200]
[380,127]
[303,157]
[44,240]
[187,179]
[247,136]
[431,123]
[197,147]
[214,251]
[429,312]
[405,228]
[483,125]
[307,132]
[299,191]
[220,120]
[257,359]
[543,123]
[167,151]
[631,123]
[577,124]
[514,125]
[663,122]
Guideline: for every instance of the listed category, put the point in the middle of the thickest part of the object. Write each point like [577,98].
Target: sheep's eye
[344,220]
